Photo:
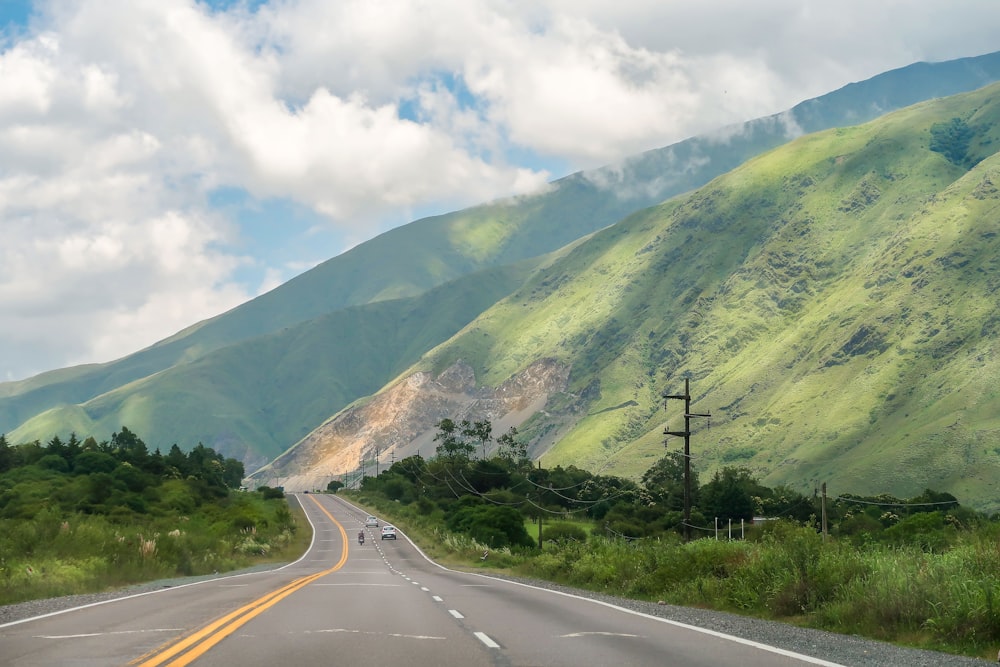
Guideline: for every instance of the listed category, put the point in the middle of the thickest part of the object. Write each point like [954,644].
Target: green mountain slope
[833,303]
[401,264]
[251,399]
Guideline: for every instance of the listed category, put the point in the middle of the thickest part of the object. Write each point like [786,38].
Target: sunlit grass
[52,556]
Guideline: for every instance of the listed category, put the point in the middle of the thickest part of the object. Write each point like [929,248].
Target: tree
[952,140]
[512,450]
[730,494]
[412,468]
[53,462]
[90,462]
[494,525]
[334,486]
[129,447]
[481,431]
[177,460]
[233,473]
[664,481]
[28,453]
[55,447]
[6,455]
[485,476]
[453,447]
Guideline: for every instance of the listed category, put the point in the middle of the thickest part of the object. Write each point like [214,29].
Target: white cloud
[119,117]
[26,81]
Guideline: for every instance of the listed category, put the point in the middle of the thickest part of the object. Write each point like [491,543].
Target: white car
[388,532]
[371,522]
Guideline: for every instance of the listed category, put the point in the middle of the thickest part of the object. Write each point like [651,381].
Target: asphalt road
[382,603]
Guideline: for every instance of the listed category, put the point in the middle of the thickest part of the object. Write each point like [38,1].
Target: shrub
[563,532]
[86,463]
[53,462]
[926,530]
[270,493]
[494,525]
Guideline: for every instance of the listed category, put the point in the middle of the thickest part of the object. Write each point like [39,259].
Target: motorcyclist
[361,537]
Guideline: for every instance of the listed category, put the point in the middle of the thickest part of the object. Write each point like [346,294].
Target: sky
[163,161]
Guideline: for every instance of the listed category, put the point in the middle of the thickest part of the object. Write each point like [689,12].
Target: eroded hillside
[401,421]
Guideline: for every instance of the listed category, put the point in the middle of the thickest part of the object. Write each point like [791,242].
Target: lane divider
[456,614]
[198,643]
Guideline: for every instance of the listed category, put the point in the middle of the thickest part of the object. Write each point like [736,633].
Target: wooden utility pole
[540,512]
[824,511]
[686,434]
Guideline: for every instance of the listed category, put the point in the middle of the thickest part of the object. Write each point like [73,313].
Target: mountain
[256,396]
[256,379]
[832,302]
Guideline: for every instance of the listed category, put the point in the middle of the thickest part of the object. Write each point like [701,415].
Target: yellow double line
[198,643]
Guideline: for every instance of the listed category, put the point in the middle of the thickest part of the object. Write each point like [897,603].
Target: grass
[52,556]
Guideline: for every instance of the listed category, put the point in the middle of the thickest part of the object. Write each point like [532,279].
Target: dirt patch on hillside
[401,421]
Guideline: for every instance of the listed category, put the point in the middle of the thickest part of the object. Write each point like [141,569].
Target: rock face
[401,421]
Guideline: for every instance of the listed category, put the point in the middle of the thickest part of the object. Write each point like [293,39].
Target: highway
[383,603]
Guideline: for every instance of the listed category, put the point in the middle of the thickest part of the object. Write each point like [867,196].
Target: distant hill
[256,379]
[833,303]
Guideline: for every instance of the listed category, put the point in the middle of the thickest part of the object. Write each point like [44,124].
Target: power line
[902,503]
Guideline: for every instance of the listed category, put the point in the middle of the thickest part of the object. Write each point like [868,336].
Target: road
[383,603]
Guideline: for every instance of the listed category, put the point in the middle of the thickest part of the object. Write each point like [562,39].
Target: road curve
[378,604]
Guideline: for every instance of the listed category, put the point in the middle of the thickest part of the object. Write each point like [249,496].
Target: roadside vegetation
[87,516]
[921,571]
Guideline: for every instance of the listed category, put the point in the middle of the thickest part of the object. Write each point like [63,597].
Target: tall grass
[946,601]
[53,555]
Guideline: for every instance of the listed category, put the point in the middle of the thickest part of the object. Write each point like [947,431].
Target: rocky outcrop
[401,421]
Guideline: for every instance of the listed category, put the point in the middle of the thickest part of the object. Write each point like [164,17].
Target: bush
[494,525]
[86,463]
[53,462]
[563,532]
[926,530]
[270,493]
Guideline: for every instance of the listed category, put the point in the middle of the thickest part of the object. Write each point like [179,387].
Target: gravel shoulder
[847,650]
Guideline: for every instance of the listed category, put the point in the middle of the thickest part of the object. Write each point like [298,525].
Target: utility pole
[376,461]
[686,434]
[824,511]
[540,512]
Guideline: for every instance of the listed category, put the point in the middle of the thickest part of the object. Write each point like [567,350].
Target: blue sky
[166,160]
[14,12]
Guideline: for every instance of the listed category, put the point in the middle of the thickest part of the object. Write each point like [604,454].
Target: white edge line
[173,588]
[695,628]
